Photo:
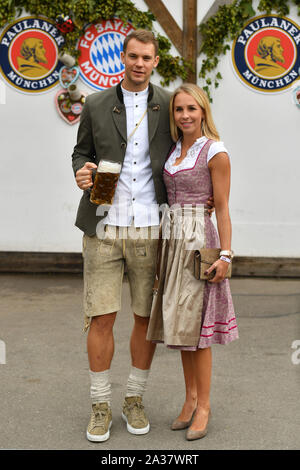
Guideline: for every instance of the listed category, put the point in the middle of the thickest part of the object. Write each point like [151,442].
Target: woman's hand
[221,268]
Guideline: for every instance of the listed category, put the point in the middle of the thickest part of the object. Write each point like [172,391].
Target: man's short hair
[144,36]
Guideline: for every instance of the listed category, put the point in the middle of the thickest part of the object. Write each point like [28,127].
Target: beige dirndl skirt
[177,306]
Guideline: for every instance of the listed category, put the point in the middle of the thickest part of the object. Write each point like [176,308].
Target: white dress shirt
[135,199]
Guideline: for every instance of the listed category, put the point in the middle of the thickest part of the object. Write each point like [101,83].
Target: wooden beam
[266,267]
[40,262]
[189,49]
[214,8]
[167,22]
[51,262]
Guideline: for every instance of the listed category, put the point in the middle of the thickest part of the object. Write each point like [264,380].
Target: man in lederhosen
[107,119]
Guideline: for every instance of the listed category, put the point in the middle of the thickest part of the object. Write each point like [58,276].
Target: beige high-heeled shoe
[177,424]
[192,435]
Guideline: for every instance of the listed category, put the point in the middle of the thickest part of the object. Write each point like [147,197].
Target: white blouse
[189,161]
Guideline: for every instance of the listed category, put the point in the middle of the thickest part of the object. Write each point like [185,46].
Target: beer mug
[107,176]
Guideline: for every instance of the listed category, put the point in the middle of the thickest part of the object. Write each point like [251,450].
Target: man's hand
[84,176]
[210,202]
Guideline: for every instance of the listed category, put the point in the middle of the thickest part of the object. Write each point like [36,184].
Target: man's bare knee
[103,324]
[141,322]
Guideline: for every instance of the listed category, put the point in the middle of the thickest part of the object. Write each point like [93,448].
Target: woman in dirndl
[187,313]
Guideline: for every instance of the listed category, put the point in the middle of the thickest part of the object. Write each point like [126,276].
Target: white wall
[39,197]
[262,133]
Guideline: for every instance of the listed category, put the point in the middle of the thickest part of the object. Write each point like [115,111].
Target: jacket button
[123,145]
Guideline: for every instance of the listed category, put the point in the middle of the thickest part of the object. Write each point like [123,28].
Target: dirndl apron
[176,313]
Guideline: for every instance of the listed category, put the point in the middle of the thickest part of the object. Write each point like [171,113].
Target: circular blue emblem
[105,53]
[266,55]
[29,50]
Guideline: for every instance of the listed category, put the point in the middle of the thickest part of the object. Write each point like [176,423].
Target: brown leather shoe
[192,435]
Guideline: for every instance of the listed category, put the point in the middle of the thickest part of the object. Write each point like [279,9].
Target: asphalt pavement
[44,379]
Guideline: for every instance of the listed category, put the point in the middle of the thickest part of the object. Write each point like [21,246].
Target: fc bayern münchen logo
[100,59]
[29,54]
[266,55]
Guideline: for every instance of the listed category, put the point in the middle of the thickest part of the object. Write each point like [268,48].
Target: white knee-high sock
[137,381]
[100,390]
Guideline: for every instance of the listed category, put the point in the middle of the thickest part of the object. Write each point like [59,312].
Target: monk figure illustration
[32,55]
[270,52]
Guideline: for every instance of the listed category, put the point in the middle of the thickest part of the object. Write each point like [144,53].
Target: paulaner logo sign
[100,59]
[266,55]
[29,54]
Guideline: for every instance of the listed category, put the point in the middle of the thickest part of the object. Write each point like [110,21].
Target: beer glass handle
[94,172]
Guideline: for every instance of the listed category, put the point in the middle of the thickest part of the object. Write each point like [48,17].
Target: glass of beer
[105,183]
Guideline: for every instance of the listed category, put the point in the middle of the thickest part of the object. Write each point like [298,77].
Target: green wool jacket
[102,133]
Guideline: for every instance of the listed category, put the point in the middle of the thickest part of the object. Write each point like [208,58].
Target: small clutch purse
[203,259]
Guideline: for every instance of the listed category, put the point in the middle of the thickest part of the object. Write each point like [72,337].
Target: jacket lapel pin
[156,107]
[116,110]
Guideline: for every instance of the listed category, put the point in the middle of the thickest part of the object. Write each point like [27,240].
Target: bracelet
[227,253]
[224,258]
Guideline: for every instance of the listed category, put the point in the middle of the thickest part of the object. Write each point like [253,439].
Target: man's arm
[211,205]
[83,158]
[84,150]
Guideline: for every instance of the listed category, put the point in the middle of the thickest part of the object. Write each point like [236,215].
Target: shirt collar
[140,94]
[120,94]
[201,140]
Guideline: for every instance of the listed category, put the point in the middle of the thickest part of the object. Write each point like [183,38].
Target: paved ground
[44,383]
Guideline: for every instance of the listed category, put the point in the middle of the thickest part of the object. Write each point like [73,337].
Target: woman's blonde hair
[208,126]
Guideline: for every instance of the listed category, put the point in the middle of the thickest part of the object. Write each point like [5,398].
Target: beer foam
[106,166]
